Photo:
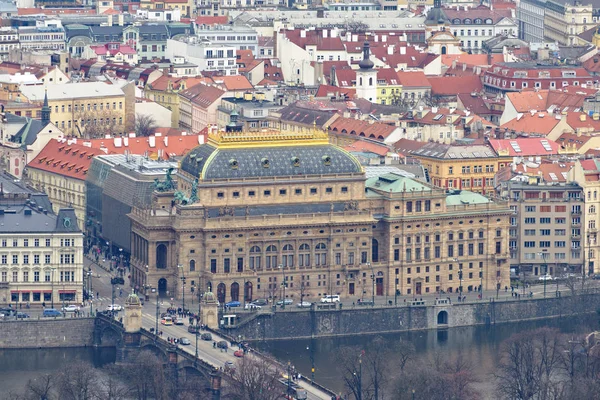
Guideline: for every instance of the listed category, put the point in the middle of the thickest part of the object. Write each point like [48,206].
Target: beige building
[563,21]
[41,253]
[547,228]
[88,109]
[60,170]
[271,207]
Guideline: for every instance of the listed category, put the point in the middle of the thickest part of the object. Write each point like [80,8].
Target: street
[216,357]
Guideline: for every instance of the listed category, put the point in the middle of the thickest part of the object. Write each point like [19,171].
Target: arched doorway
[442,318]
[248,291]
[375,251]
[161,256]
[221,293]
[379,284]
[235,291]
[162,287]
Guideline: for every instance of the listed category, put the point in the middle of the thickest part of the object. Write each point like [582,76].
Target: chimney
[377,38]
[126,141]
[166,140]
[402,50]
[464,66]
[334,33]
[325,33]
[348,36]
[110,20]
[355,38]
[303,33]
[118,142]
[152,141]
[384,38]
[390,49]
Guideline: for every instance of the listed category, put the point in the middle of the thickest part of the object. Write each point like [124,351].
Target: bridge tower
[210,310]
[132,324]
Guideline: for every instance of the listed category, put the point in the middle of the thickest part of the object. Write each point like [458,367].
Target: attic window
[265,162]
[295,161]
[326,160]
[233,163]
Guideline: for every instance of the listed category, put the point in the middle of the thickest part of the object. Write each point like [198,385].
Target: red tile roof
[212,20]
[539,123]
[330,91]
[162,83]
[454,85]
[273,71]
[70,160]
[407,146]
[527,100]
[473,60]
[570,139]
[583,121]
[413,79]
[548,171]
[526,147]
[347,77]
[104,49]
[233,82]
[56,11]
[203,95]
[481,11]
[363,146]
[170,146]
[402,53]
[367,129]
[314,38]
[475,104]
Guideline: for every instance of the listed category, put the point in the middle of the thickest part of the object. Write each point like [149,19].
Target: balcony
[575,212]
[575,236]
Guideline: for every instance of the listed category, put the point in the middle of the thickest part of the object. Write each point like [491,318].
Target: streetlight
[183,285]
[289,380]
[157,313]
[52,283]
[543,254]
[283,285]
[90,274]
[312,364]
[373,284]
[481,282]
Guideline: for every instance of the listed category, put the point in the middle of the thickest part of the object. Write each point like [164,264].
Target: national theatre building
[253,210]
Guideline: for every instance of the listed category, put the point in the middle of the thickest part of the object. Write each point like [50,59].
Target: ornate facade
[262,208]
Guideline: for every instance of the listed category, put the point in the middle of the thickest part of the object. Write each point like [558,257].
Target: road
[216,357]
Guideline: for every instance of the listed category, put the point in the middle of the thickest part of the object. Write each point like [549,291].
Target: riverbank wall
[372,320]
[47,333]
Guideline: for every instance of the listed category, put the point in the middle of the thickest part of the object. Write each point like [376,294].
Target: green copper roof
[395,183]
[465,197]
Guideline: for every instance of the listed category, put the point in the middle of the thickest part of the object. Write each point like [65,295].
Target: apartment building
[83,109]
[211,57]
[48,34]
[41,253]
[547,228]
[240,37]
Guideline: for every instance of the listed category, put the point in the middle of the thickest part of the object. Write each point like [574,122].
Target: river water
[479,345]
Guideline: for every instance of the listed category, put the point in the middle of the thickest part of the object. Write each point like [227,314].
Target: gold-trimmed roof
[267,138]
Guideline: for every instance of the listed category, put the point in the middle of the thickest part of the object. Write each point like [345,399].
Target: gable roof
[364,146]
[168,146]
[454,85]
[538,123]
[523,147]
[409,79]
[368,129]
[314,38]
[331,91]
[544,99]
[203,95]
[233,82]
[69,160]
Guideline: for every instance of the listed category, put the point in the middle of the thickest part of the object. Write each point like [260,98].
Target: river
[479,345]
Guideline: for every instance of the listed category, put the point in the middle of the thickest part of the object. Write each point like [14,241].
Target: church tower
[46,110]
[366,77]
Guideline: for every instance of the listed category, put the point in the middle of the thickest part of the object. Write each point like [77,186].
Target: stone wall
[44,333]
[322,323]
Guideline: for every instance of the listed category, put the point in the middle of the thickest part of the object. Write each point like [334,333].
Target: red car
[238,353]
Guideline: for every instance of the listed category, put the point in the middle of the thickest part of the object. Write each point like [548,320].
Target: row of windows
[548,220]
[36,242]
[26,259]
[282,192]
[542,232]
[90,107]
[450,235]
[64,276]
[557,256]
[437,252]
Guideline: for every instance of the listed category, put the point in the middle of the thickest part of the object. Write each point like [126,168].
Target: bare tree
[302,291]
[255,379]
[40,388]
[77,381]
[91,124]
[145,124]
[113,387]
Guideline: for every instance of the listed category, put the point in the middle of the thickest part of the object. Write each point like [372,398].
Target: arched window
[370,81]
[255,258]
[192,265]
[161,256]
[287,258]
[360,81]
[321,254]
[375,250]
[595,195]
[304,255]
[592,209]
[271,258]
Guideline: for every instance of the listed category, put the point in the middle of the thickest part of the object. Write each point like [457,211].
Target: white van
[331,299]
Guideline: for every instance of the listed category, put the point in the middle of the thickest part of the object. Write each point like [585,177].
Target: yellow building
[60,170]
[89,109]
[471,167]
[165,91]
[278,214]
[187,7]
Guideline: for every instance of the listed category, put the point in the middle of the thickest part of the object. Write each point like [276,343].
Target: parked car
[252,306]
[7,311]
[596,276]
[206,336]
[114,307]
[222,344]
[304,304]
[260,302]
[184,341]
[287,302]
[22,315]
[70,308]
[545,278]
[330,299]
[51,312]
[178,321]
[238,353]
[234,303]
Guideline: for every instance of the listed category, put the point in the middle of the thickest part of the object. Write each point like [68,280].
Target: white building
[9,39]
[206,55]
[531,15]
[47,34]
[240,37]
[159,15]
[41,254]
